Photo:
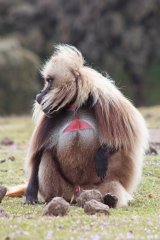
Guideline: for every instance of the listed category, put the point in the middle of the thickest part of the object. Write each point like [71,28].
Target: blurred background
[120,37]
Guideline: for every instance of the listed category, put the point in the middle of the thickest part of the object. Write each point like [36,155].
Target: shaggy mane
[115,114]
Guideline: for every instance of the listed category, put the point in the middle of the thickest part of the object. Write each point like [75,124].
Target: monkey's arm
[32,188]
[102,160]
[33,159]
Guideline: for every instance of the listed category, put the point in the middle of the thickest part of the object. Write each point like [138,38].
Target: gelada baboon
[87,134]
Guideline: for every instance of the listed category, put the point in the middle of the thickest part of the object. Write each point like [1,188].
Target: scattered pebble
[7,238]
[3,191]
[3,213]
[87,195]
[7,141]
[2,161]
[11,158]
[94,207]
[56,207]
[152,151]
[150,195]
[3,170]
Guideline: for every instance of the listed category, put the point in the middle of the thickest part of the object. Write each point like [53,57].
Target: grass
[141,220]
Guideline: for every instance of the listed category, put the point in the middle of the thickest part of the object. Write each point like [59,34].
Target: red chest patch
[77,125]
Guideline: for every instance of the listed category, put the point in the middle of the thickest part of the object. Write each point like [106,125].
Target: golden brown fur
[115,122]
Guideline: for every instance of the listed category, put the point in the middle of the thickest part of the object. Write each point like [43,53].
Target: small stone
[152,151]
[11,158]
[3,213]
[88,195]
[150,195]
[56,207]
[7,141]
[3,191]
[94,207]
[2,161]
[3,170]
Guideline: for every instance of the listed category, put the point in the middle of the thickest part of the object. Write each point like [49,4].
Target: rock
[56,207]
[11,158]
[88,195]
[3,213]
[3,191]
[151,151]
[94,207]
[7,141]
[3,170]
[2,161]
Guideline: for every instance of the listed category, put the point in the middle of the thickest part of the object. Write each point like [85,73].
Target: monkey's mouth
[77,125]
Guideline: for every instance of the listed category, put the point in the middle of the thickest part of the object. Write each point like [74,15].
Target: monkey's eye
[49,79]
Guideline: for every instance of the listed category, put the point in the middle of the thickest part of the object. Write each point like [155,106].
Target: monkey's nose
[39,97]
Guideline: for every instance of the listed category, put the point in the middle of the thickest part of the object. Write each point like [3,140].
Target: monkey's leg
[124,171]
[32,188]
[51,183]
[102,161]
[115,195]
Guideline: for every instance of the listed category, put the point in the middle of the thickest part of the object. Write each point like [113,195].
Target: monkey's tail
[17,191]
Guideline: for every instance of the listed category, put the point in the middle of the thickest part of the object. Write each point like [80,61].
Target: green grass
[141,220]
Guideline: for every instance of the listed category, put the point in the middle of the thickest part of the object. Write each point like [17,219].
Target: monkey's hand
[101,161]
[30,200]
[31,195]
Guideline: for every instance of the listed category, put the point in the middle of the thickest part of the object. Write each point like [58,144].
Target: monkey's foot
[110,200]
[30,200]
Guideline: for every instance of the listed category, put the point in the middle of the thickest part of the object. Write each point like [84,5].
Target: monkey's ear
[115,122]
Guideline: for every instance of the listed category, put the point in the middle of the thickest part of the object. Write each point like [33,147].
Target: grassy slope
[141,220]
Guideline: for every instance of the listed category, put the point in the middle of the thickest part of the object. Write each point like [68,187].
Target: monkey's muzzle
[39,98]
[43,92]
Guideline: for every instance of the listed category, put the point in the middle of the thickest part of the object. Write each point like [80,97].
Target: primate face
[60,86]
